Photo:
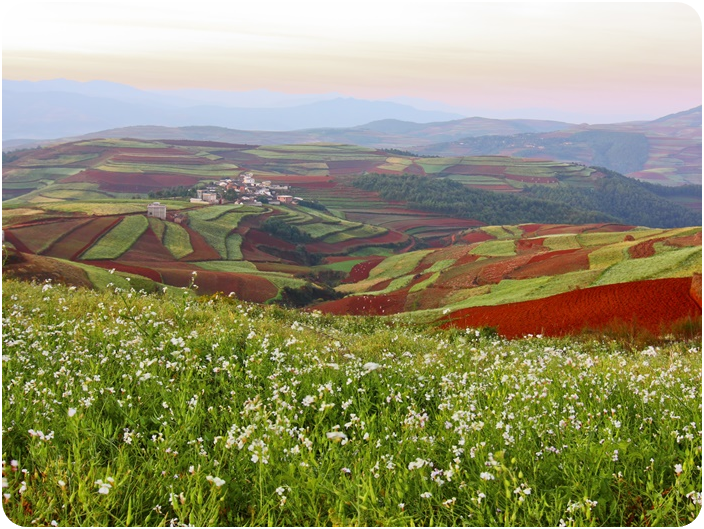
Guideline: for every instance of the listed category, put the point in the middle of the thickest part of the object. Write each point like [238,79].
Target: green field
[177,240]
[118,240]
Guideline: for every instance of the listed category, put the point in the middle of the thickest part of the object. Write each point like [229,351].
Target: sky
[593,60]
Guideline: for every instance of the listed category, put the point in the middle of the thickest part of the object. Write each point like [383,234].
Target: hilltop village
[244,190]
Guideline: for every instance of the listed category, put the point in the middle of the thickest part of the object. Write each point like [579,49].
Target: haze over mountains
[59,108]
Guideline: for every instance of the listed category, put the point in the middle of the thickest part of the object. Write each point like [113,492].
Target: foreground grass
[129,409]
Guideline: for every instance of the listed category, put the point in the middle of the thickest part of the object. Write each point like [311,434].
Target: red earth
[652,305]
[202,251]
[78,240]
[130,182]
[247,287]
[147,248]
[552,263]
[361,271]
[366,305]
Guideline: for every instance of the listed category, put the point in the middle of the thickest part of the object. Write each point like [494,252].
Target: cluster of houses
[247,189]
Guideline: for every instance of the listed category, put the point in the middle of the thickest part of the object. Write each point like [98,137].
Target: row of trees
[614,198]
[452,198]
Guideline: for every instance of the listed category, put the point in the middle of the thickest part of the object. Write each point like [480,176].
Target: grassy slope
[217,413]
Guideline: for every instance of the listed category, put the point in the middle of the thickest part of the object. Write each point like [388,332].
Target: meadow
[122,408]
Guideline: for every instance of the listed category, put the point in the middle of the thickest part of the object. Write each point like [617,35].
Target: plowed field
[652,305]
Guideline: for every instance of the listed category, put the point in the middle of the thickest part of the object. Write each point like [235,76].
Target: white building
[156,210]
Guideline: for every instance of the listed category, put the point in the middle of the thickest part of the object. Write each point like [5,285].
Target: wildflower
[280,491]
[450,502]
[104,488]
[418,463]
[371,366]
[486,476]
[426,495]
[71,412]
[61,483]
[678,469]
[216,481]
[336,437]
[402,506]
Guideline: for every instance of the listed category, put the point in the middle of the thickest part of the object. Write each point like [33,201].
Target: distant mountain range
[59,108]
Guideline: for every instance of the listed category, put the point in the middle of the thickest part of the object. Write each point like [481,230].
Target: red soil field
[254,239]
[695,289]
[246,287]
[17,243]
[361,271]
[147,248]
[202,251]
[76,241]
[414,169]
[35,235]
[469,258]
[553,263]
[644,249]
[381,285]
[366,305]
[494,272]
[476,236]
[529,245]
[688,240]
[652,305]
[130,182]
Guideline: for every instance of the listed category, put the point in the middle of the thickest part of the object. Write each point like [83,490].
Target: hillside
[243,414]
[665,151]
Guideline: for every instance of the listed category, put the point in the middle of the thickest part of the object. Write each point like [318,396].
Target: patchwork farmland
[81,207]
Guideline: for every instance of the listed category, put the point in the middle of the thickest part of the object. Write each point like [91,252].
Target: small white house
[155,209]
[211,198]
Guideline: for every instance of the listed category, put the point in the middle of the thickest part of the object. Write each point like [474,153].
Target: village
[244,190]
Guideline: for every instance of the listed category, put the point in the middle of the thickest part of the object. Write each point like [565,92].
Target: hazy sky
[621,60]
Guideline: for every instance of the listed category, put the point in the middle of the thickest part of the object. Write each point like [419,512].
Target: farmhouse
[155,209]
[210,198]
[285,199]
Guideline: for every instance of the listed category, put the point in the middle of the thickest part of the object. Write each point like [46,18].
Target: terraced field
[513,264]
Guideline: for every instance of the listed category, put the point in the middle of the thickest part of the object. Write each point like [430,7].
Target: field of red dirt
[477,236]
[687,240]
[366,305]
[361,271]
[246,287]
[644,249]
[130,182]
[552,263]
[202,251]
[147,248]
[35,236]
[695,289]
[496,272]
[650,304]
[78,240]
[254,240]
[529,245]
